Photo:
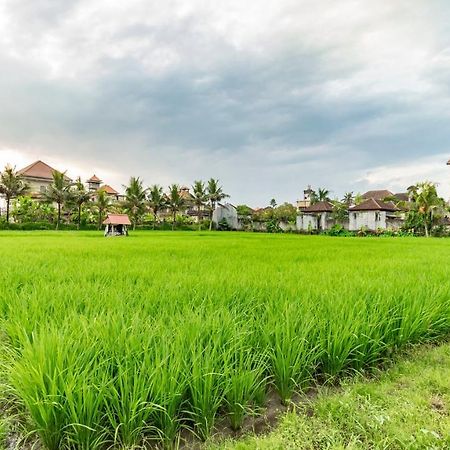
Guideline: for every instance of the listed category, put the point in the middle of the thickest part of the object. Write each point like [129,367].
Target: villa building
[374,215]
[38,176]
[316,217]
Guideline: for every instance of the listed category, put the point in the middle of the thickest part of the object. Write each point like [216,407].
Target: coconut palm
[175,202]
[200,197]
[156,200]
[80,196]
[323,195]
[348,199]
[215,195]
[427,202]
[102,203]
[58,192]
[135,198]
[12,186]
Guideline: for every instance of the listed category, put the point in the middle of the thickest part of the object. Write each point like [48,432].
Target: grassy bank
[131,341]
[408,407]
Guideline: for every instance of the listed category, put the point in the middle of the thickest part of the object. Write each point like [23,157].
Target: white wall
[372,220]
[306,222]
[229,213]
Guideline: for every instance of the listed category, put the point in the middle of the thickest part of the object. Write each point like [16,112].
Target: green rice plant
[244,372]
[292,349]
[127,343]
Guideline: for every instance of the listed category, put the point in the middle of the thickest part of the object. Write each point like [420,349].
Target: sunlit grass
[129,341]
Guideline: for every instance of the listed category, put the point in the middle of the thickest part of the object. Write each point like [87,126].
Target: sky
[268,96]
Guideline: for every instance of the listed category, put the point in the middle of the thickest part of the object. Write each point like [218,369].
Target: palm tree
[12,186]
[200,198]
[102,203]
[273,203]
[323,195]
[427,201]
[80,196]
[156,200]
[348,198]
[175,202]
[58,192]
[215,194]
[135,200]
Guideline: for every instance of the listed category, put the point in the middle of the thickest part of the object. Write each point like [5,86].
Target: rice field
[134,342]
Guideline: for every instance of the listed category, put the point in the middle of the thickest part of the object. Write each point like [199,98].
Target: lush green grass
[131,340]
[406,408]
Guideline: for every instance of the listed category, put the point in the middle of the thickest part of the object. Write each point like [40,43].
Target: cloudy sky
[266,95]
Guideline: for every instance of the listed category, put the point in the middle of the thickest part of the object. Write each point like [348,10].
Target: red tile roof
[94,179]
[108,189]
[374,205]
[117,219]
[38,169]
[319,207]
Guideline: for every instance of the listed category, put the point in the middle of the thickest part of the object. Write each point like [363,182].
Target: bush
[273,226]
[338,230]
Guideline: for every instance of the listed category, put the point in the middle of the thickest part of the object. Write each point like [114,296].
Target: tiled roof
[38,169]
[319,207]
[94,179]
[108,189]
[117,219]
[374,205]
[402,196]
[378,195]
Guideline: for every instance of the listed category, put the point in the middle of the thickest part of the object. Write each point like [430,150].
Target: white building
[374,215]
[228,212]
[316,217]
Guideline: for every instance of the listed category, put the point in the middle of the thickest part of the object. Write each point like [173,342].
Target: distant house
[38,176]
[116,225]
[316,217]
[228,212]
[386,195]
[373,214]
[94,183]
[111,192]
[377,195]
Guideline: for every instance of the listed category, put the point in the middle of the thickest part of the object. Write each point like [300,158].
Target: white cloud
[397,177]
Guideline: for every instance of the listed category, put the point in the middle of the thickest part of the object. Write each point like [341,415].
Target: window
[42,189]
[377,216]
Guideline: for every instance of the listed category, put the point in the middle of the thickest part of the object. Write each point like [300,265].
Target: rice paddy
[128,343]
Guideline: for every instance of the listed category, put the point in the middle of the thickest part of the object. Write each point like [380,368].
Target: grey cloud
[263,122]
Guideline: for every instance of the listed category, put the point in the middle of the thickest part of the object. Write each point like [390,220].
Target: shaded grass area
[130,342]
[408,407]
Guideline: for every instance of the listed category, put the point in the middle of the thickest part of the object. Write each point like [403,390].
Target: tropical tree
[426,203]
[12,186]
[348,199]
[286,213]
[215,195]
[135,198]
[273,203]
[58,192]
[358,199]
[340,210]
[156,201]
[200,197]
[175,202]
[323,195]
[80,196]
[313,196]
[101,204]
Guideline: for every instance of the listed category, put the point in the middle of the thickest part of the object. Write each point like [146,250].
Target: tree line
[77,204]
